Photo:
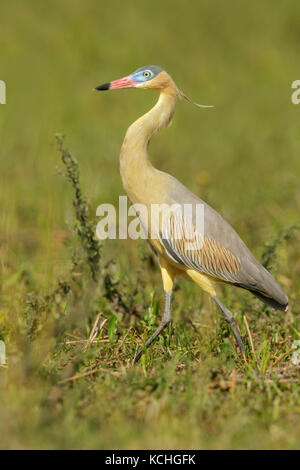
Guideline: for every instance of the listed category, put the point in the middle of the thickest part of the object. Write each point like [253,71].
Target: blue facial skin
[142,76]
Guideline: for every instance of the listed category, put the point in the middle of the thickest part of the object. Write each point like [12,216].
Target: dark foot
[233,325]
[160,328]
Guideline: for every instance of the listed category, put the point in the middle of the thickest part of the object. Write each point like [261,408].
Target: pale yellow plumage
[218,255]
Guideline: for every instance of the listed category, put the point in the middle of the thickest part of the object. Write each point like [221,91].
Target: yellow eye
[146,74]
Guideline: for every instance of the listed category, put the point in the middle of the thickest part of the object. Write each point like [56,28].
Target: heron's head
[150,77]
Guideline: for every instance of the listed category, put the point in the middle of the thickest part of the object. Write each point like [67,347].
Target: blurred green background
[242,157]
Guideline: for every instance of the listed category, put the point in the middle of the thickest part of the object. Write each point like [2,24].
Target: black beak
[105,86]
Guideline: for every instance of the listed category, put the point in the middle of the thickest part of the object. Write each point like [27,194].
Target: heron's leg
[232,323]
[166,318]
[168,275]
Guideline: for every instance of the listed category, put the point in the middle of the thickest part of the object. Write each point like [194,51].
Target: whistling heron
[218,254]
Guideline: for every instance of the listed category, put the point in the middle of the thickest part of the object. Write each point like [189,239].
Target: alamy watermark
[2,353]
[296,94]
[296,354]
[156,221]
[2,92]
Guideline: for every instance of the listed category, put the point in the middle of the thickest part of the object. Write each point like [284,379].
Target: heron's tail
[263,285]
[272,302]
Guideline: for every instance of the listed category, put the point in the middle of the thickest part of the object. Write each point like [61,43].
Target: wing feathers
[204,254]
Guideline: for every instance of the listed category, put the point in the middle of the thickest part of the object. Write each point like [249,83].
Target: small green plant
[83,226]
[112,327]
[152,312]
[38,306]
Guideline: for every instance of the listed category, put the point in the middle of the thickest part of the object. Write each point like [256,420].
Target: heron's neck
[136,170]
[141,131]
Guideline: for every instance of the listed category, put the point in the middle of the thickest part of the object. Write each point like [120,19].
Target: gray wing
[217,250]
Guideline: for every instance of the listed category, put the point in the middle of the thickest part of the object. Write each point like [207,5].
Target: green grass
[72,312]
